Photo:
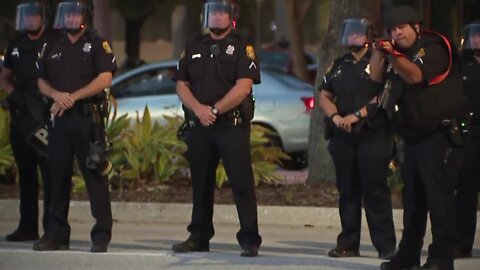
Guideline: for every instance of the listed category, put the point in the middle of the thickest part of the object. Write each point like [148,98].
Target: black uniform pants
[429,173]
[69,137]
[361,165]
[206,145]
[466,198]
[28,161]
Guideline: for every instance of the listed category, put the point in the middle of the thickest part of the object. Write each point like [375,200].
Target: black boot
[20,235]
[45,244]
[191,245]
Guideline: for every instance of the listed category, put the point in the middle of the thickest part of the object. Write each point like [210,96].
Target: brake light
[309,103]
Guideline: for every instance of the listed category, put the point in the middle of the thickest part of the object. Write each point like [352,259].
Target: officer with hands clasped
[425,100]
[29,111]
[361,152]
[73,70]
[466,198]
[215,74]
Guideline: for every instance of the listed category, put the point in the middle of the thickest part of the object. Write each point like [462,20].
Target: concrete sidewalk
[180,213]
[293,238]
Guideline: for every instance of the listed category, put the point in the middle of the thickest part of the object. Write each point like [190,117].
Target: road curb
[180,213]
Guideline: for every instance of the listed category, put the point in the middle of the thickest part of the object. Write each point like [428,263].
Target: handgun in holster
[189,122]
[100,145]
[454,133]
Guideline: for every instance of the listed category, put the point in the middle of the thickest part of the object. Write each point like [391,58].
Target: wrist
[333,115]
[358,114]
[215,111]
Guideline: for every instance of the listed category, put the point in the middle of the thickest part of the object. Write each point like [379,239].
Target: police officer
[19,79]
[215,74]
[466,198]
[427,101]
[361,152]
[73,69]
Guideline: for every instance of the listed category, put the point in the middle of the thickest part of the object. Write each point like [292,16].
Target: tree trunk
[320,167]
[101,19]
[179,29]
[295,21]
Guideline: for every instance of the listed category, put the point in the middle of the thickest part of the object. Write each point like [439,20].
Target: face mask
[218,31]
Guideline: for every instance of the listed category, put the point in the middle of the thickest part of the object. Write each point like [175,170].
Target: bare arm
[235,96]
[407,70]
[6,80]
[102,81]
[377,66]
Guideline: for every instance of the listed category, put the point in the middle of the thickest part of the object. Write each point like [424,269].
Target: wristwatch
[215,111]
[358,114]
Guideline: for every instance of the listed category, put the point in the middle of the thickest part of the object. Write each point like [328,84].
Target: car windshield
[293,83]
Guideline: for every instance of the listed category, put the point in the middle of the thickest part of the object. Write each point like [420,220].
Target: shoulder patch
[250,52]
[106,47]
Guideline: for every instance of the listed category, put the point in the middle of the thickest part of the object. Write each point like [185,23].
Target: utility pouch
[453,132]
[247,108]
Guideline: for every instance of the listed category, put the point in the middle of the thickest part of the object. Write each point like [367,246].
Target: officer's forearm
[102,81]
[407,70]
[325,101]
[377,66]
[45,88]
[186,96]
[6,81]
[235,96]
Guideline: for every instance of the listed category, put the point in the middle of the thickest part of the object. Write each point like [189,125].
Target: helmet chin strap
[74,31]
[34,32]
[218,31]
[356,48]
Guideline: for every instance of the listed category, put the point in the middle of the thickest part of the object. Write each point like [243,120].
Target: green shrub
[152,152]
[7,162]
[146,154]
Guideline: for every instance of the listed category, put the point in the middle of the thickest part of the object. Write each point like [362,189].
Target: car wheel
[298,161]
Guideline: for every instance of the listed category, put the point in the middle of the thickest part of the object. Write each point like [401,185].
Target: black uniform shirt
[212,67]
[350,83]
[471,82]
[69,67]
[21,57]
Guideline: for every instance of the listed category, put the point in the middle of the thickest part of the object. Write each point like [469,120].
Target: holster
[184,129]
[247,108]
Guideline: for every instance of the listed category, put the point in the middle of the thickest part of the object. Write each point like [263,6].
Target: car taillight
[309,103]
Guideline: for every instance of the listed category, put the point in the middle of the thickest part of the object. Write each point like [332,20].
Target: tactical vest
[421,107]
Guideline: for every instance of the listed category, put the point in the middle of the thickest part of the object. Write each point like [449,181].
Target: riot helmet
[402,15]
[214,15]
[30,17]
[355,33]
[471,37]
[73,16]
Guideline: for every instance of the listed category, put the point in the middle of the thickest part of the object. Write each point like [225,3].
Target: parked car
[282,59]
[282,103]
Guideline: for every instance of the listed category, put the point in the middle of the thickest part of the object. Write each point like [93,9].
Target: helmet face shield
[70,16]
[471,37]
[218,14]
[354,32]
[30,17]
